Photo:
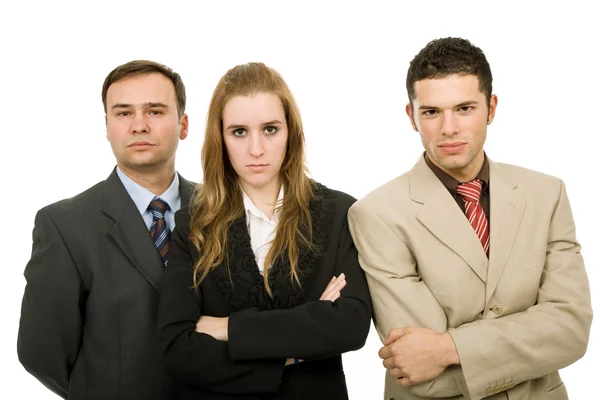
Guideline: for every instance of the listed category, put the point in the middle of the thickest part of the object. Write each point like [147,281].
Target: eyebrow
[147,105]
[273,122]
[463,104]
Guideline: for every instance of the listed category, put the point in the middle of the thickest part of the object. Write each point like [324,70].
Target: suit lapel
[442,216]
[129,230]
[507,205]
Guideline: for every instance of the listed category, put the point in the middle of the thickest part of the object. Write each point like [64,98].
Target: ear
[183,132]
[409,112]
[492,108]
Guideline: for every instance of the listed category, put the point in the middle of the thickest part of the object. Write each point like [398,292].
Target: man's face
[142,124]
[451,115]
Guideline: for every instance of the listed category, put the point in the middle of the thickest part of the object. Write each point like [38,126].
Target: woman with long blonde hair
[252,304]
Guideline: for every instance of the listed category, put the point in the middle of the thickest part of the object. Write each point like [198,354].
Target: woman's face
[255,135]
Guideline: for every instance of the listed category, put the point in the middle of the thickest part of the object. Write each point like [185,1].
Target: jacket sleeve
[317,329]
[397,291]
[198,359]
[50,328]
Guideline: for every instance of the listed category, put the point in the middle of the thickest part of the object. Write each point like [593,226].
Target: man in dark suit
[88,317]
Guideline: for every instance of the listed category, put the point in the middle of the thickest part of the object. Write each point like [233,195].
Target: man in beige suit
[476,277]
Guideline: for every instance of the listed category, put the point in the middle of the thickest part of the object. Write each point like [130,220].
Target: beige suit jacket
[516,319]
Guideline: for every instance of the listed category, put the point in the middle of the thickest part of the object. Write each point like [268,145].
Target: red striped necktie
[471,193]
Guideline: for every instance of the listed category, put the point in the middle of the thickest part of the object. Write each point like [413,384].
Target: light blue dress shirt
[142,198]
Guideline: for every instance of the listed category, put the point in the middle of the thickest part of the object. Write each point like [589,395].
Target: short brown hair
[449,56]
[140,67]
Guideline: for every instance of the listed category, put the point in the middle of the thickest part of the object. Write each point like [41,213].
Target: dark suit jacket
[264,331]
[88,318]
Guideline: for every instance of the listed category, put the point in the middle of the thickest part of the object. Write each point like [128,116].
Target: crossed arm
[248,351]
[217,327]
[404,308]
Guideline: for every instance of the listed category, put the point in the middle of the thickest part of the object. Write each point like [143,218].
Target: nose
[256,147]
[449,124]
[140,124]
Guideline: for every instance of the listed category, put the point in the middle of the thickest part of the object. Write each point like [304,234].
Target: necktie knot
[470,191]
[158,207]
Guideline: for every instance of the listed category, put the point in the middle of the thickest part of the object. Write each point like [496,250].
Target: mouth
[140,144]
[452,147]
[257,167]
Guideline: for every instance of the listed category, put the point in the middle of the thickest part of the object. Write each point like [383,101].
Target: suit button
[497,389]
[511,385]
[497,309]
[490,391]
[505,386]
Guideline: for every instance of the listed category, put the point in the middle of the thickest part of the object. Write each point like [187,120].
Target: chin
[143,163]
[258,183]
[456,164]
[451,163]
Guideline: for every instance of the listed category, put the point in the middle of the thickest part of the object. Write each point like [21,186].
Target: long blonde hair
[219,202]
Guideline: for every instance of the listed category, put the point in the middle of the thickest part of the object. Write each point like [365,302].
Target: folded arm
[317,329]
[194,358]
[400,298]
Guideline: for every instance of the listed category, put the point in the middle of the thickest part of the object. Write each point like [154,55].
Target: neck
[468,172]
[265,198]
[156,182]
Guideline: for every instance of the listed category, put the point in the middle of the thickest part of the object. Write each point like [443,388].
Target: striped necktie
[471,193]
[158,230]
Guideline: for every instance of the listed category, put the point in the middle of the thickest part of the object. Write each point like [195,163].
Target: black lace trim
[242,284]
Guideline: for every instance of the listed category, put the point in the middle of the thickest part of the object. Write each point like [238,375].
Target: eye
[239,132]
[123,113]
[270,130]
[429,113]
[155,112]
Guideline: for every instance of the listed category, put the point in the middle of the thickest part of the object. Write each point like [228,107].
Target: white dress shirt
[261,229]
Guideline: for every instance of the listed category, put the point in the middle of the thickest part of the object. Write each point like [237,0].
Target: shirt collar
[251,208]
[142,197]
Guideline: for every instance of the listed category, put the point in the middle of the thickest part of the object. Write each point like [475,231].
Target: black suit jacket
[264,331]
[88,317]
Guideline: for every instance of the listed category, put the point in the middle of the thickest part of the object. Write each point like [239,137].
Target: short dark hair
[448,56]
[140,67]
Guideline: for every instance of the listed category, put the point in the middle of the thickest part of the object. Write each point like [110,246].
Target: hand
[291,361]
[213,326]
[333,289]
[414,355]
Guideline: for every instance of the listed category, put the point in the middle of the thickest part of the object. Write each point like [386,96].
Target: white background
[346,64]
